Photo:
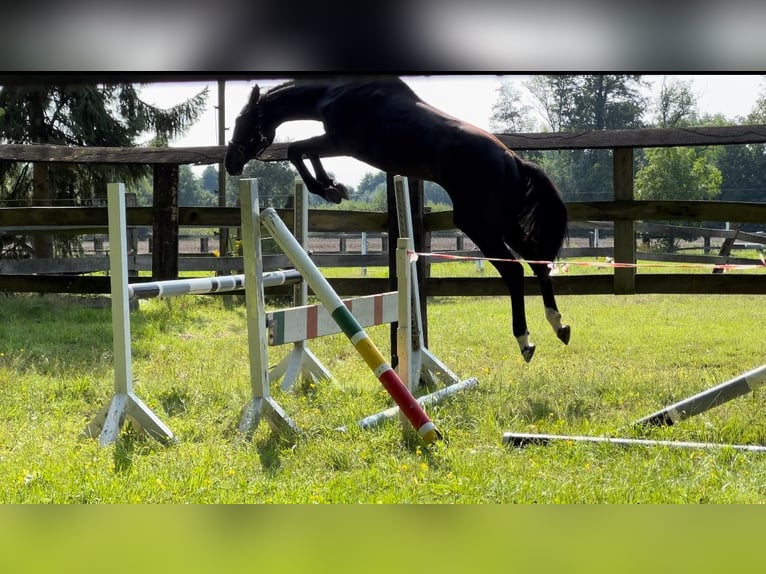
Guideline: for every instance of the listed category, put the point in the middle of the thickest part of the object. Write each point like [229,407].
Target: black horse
[508,206]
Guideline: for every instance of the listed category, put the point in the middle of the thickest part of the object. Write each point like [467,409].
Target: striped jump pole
[350,327]
[207,285]
[313,321]
[706,400]
[524,439]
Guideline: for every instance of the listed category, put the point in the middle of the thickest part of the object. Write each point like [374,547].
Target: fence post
[165,223]
[624,230]
[393,235]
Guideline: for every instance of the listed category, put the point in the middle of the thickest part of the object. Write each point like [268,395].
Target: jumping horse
[506,205]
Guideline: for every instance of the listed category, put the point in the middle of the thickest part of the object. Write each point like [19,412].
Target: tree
[81,115]
[209,179]
[276,183]
[743,167]
[585,102]
[678,172]
[593,102]
[509,113]
[758,114]
[369,184]
[676,106]
[190,190]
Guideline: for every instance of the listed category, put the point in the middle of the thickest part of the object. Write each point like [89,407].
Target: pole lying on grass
[706,400]
[524,439]
[350,327]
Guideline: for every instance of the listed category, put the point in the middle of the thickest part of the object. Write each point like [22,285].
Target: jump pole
[524,439]
[108,423]
[350,327]
[416,363]
[206,285]
[706,400]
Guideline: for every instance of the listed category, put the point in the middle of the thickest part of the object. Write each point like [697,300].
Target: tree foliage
[80,115]
[85,115]
[276,185]
[678,172]
[585,102]
[589,101]
[509,113]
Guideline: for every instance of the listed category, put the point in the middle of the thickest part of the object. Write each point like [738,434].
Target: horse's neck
[294,102]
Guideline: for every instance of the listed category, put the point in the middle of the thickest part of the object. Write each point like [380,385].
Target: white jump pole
[108,423]
[708,399]
[206,285]
[524,439]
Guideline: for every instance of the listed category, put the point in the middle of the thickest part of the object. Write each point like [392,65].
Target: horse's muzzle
[235,159]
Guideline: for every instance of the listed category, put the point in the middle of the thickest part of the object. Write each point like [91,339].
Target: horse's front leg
[321,185]
[552,313]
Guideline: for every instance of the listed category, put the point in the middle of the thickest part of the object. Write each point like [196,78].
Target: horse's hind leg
[552,313]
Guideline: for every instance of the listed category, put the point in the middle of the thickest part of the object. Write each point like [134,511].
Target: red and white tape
[609,263]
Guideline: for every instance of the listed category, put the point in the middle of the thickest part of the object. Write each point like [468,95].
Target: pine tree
[81,115]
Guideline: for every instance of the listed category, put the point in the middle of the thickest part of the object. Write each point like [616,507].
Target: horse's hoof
[527,352]
[563,334]
[336,193]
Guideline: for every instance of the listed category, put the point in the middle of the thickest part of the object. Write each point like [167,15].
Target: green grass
[629,356]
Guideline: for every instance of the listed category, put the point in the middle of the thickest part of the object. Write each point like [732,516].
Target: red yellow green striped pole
[350,327]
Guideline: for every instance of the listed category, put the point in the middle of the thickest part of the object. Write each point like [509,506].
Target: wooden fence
[625,214]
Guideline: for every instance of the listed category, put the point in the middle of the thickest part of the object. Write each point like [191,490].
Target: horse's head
[248,139]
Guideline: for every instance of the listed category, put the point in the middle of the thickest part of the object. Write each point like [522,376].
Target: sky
[468,97]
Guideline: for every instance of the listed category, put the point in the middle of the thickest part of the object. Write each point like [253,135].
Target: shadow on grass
[132,442]
[268,453]
[125,449]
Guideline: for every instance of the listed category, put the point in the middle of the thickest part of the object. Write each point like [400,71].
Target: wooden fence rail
[625,211]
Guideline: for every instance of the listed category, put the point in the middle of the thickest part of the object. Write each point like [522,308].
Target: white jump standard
[415,361]
[125,405]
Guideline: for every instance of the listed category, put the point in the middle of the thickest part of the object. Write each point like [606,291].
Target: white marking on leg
[523,341]
[554,318]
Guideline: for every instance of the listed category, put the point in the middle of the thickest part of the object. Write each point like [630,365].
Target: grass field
[629,356]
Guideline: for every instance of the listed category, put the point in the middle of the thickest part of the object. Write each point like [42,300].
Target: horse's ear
[255,95]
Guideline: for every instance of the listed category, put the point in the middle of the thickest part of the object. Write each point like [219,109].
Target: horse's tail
[543,214]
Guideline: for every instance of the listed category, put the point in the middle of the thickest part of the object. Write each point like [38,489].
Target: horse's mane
[275,91]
